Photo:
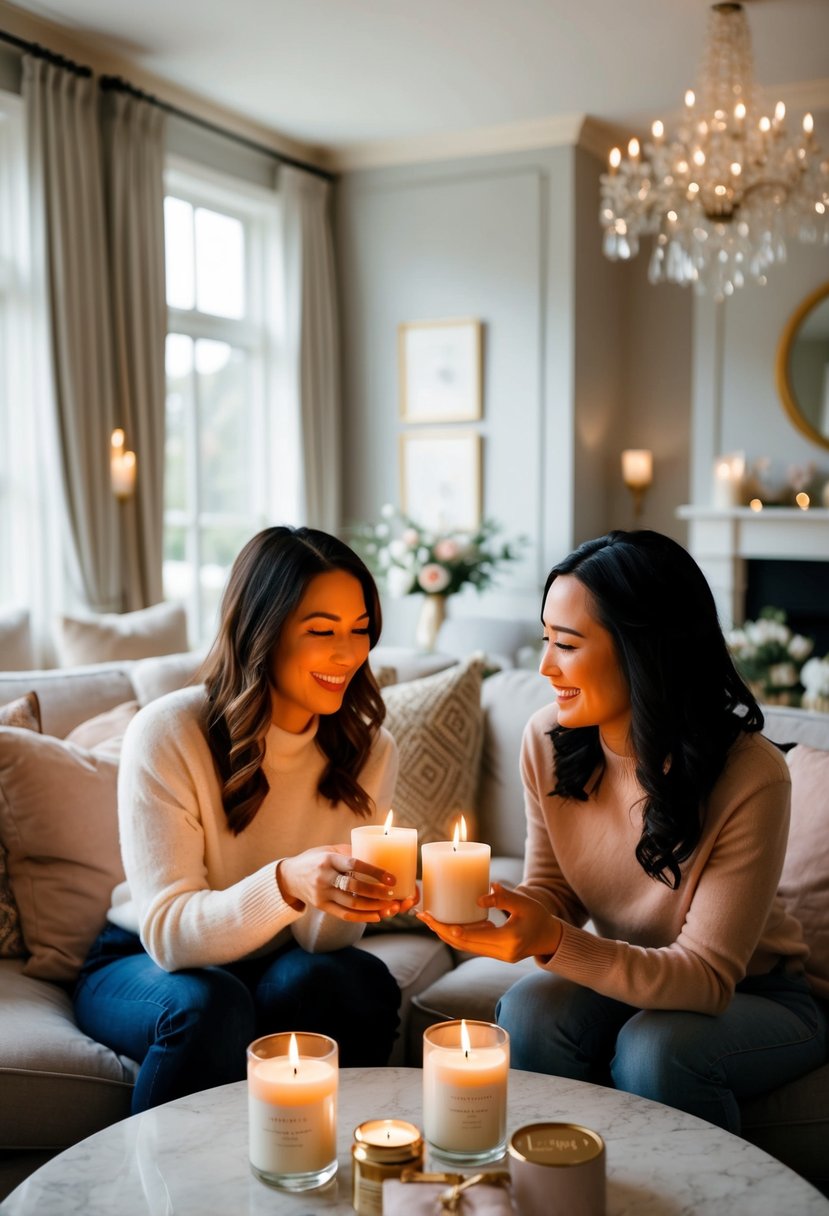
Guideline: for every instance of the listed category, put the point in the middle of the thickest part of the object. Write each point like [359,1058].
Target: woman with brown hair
[238,916]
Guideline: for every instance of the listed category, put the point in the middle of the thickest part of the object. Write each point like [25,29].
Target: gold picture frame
[441,370]
[440,479]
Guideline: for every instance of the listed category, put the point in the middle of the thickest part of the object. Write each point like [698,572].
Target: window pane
[225,429]
[179,395]
[178,570]
[178,253]
[220,253]
[220,544]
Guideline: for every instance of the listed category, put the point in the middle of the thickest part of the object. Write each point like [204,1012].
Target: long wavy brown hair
[266,584]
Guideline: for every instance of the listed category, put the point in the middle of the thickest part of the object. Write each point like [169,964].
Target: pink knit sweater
[656,948]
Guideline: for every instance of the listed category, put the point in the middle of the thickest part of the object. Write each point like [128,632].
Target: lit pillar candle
[455,875]
[392,849]
[292,1109]
[121,467]
[465,1069]
[729,472]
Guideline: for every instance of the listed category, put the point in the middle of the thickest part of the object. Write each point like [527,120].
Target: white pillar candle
[465,1069]
[292,1108]
[729,472]
[392,849]
[455,875]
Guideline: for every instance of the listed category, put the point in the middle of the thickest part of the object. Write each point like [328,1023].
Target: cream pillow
[15,640]
[804,883]
[161,629]
[23,713]
[105,730]
[438,725]
[59,826]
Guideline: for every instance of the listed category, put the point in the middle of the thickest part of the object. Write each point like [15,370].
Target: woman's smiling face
[581,663]
[324,642]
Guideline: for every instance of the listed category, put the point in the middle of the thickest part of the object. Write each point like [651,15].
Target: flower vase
[432,615]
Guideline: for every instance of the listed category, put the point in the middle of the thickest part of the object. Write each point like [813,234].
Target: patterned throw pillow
[23,713]
[437,722]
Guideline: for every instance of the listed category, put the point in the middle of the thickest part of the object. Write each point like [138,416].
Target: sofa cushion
[791,1123]
[804,883]
[15,640]
[438,725]
[160,629]
[23,712]
[69,697]
[152,678]
[58,1085]
[59,826]
[105,730]
[415,961]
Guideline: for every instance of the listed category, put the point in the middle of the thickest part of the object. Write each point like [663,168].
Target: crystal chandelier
[723,192]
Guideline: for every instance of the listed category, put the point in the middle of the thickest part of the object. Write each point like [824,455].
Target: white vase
[432,615]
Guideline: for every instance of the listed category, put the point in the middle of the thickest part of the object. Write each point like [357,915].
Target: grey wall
[581,358]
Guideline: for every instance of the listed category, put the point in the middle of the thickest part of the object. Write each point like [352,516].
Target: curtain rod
[119,84]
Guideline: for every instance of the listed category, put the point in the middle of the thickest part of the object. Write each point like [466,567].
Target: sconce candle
[390,848]
[122,467]
[729,472]
[292,1109]
[465,1070]
[637,474]
[455,875]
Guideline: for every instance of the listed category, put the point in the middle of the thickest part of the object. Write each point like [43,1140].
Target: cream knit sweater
[655,948]
[197,894]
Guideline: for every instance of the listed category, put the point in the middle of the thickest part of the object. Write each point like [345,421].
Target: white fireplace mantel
[722,540]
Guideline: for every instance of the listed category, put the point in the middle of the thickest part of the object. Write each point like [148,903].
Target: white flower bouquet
[407,558]
[770,657]
[814,676]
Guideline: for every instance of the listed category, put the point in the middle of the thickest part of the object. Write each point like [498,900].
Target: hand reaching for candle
[330,879]
[528,930]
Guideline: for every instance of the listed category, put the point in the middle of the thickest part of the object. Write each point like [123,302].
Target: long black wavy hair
[688,704]
[268,579]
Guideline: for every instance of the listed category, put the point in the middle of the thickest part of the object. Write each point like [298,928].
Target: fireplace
[778,556]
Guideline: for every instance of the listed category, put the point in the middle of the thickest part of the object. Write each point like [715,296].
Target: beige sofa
[58,1086]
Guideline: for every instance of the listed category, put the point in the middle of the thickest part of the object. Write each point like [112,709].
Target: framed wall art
[440,479]
[440,370]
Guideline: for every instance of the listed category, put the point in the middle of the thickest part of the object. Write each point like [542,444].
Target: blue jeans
[772,1032]
[189,1029]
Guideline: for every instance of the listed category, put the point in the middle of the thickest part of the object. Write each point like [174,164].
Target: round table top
[190,1156]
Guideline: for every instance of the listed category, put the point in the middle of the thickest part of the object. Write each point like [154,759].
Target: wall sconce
[122,468]
[637,473]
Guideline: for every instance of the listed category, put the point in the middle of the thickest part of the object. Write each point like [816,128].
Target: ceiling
[339,74]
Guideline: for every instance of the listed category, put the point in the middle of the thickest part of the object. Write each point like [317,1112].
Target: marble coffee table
[189,1158]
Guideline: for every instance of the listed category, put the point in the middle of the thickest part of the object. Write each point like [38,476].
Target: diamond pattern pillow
[23,713]
[437,722]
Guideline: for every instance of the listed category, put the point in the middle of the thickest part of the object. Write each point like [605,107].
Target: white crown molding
[456,145]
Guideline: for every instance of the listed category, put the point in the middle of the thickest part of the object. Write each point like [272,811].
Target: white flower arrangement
[814,676]
[770,657]
[408,558]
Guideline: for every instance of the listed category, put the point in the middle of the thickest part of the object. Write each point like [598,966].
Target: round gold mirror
[803,367]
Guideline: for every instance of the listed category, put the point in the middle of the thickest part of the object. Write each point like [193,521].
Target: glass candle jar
[382,1149]
[465,1072]
[292,1109]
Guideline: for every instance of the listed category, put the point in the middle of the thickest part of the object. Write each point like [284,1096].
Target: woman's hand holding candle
[332,879]
[528,930]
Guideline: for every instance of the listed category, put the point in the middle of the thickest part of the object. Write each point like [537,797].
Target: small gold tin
[382,1148]
[557,1167]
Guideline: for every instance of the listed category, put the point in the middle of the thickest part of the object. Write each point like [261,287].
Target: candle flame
[455,836]
[293,1053]
[117,440]
[466,1045]
[387,827]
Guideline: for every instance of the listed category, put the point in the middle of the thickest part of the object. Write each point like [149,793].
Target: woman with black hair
[238,916]
[656,809]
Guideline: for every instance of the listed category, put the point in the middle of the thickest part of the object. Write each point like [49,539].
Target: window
[12,285]
[223,400]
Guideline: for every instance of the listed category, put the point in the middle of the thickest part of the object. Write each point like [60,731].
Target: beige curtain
[313,341]
[134,169]
[66,198]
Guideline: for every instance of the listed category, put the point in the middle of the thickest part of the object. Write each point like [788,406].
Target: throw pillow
[105,730]
[438,725]
[59,826]
[161,629]
[23,713]
[804,883]
[15,640]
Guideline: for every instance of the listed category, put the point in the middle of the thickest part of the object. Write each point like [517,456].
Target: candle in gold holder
[382,1148]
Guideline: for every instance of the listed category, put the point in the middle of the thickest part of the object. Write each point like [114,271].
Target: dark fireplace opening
[800,588]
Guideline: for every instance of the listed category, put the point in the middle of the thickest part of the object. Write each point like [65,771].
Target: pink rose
[433,578]
[447,550]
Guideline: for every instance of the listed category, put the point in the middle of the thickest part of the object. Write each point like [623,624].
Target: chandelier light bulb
[755,183]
